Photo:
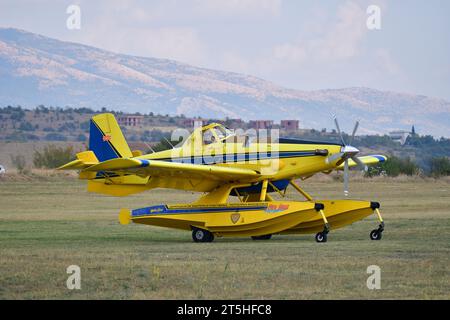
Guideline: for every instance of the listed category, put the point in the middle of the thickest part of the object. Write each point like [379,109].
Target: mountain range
[35,69]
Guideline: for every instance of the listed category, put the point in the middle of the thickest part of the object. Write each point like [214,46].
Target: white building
[399,136]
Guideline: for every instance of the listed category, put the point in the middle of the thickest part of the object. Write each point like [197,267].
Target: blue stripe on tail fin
[100,145]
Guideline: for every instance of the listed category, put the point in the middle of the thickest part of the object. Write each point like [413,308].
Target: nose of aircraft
[349,150]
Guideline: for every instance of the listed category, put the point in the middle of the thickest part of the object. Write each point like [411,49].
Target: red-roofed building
[290,125]
[130,120]
[261,124]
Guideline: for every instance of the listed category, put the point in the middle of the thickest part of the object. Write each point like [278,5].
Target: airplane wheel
[321,237]
[375,234]
[264,237]
[200,235]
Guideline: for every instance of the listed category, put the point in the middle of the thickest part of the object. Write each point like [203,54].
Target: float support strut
[264,190]
[319,208]
[377,233]
[379,215]
[301,191]
[376,208]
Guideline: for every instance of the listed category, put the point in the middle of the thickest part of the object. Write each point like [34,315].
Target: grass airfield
[48,224]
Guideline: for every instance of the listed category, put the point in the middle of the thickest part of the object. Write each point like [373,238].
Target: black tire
[201,235]
[210,237]
[321,237]
[375,234]
[264,237]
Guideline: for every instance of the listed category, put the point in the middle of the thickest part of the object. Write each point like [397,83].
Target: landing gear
[201,235]
[264,237]
[322,236]
[376,234]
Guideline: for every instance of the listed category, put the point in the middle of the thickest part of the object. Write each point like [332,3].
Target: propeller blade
[334,157]
[354,132]
[339,130]
[360,164]
[346,177]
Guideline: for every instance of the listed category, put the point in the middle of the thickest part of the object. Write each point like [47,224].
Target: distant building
[234,123]
[290,125]
[261,124]
[191,122]
[130,120]
[399,136]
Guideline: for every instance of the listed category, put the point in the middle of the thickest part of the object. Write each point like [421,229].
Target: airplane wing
[158,168]
[367,160]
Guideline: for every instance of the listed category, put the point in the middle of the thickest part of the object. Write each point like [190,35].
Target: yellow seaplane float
[237,173]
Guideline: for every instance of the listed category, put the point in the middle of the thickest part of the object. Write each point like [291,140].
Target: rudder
[106,139]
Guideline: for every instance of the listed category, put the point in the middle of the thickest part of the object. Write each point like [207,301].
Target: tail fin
[106,139]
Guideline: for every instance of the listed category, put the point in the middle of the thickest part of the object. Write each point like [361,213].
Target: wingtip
[381,158]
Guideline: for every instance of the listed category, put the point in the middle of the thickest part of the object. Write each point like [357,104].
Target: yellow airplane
[236,172]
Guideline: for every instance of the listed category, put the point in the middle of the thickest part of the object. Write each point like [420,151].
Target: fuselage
[286,159]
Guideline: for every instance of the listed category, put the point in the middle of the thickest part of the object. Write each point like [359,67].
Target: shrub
[17,114]
[32,137]
[165,145]
[16,136]
[162,145]
[26,126]
[395,166]
[85,125]
[55,137]
[440,166]
[81,137]
[67,126]
[20,163]
[52,156]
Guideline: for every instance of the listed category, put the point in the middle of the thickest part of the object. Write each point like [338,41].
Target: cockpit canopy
[210,134]
[215,132]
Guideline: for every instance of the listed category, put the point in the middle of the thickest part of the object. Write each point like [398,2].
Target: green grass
[45,226]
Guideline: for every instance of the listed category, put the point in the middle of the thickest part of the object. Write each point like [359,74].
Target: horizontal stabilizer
[116,164]
[84,160]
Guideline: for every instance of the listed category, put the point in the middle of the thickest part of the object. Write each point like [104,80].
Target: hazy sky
[297,44]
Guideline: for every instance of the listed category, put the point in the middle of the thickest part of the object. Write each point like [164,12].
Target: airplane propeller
[347,152]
